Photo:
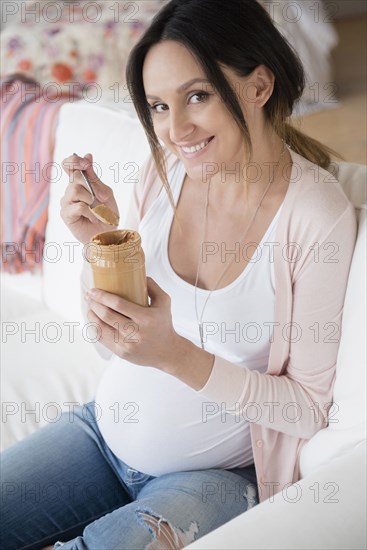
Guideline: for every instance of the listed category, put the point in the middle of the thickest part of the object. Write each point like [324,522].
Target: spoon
[100,210]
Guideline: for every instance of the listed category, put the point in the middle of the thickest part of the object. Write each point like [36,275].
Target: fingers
[106,333]
[72,213]
[73,164]
[116,303]
[113,328]
[76,192]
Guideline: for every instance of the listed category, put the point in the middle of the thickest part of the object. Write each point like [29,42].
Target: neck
[246,181]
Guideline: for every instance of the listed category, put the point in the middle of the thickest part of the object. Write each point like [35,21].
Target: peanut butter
[105,214]
[118,264]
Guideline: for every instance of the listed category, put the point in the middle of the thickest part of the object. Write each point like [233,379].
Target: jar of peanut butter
[118,264]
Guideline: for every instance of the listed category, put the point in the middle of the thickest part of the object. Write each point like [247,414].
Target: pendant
[201,335]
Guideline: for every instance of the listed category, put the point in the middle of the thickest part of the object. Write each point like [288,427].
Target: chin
[197,173]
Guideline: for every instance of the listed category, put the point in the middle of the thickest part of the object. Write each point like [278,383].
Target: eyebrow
[183,87]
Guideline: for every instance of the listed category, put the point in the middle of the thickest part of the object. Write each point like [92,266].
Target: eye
[155,107]
[202,95]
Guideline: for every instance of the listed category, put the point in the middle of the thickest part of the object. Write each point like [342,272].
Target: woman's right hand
[75,203]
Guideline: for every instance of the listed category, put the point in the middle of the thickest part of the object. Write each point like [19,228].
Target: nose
[180,125]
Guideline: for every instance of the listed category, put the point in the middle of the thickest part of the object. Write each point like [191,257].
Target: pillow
[119,147]
[347,416]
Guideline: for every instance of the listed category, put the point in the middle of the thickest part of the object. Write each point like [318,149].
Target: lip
[197,153]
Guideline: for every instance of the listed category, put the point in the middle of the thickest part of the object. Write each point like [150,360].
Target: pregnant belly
[157,424]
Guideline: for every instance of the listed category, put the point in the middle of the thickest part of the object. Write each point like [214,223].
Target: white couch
[49,360]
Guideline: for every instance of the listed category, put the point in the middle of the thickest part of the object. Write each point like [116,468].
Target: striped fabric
[27,129]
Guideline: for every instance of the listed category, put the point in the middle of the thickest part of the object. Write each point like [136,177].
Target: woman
[205,415]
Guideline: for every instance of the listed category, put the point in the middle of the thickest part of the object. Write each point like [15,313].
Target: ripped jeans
[62,485]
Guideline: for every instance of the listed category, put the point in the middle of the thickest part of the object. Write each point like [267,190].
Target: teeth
[195,147]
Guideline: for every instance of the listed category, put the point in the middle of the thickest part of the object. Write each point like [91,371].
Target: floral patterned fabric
[70,45]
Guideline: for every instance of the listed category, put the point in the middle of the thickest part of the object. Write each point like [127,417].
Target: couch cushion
[15,303]
[26,285]
[352,178]
[119,147]
[347,416]
[326,510]
[47,362]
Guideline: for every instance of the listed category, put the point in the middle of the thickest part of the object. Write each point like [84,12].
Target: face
[191,114]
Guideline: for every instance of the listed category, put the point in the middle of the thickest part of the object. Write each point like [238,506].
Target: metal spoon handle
[89,185]
[85,177]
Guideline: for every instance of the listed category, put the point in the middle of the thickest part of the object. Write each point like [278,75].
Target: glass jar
[118,264]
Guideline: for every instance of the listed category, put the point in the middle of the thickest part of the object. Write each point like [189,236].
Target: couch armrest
[324,510]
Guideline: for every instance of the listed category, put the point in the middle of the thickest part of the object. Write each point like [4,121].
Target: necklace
[200,321]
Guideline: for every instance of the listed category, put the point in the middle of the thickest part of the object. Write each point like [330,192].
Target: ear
[261,85]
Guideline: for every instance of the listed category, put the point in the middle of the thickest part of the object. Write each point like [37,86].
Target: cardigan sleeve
[147,189]
[297,401]
[138,197]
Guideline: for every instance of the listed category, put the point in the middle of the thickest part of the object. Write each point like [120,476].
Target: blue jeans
[62,485]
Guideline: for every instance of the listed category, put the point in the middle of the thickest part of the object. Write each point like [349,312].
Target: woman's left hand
[142,335]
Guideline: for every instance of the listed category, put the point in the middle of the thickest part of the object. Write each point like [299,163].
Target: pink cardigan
[313,249]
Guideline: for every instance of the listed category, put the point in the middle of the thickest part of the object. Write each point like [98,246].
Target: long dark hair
[241,35]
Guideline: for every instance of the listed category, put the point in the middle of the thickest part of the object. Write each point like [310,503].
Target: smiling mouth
[198,147]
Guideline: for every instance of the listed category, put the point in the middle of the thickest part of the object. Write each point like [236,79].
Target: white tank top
[154,422]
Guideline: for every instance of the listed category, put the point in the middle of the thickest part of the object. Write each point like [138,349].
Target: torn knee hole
[250,494]
[166,537]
